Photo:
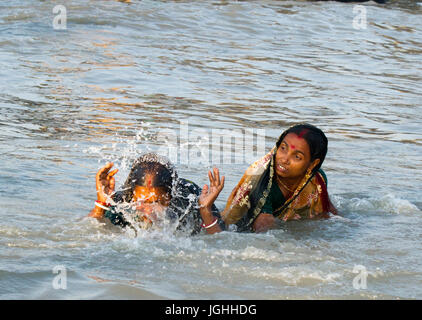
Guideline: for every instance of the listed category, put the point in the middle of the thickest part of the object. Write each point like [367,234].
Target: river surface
[175,76]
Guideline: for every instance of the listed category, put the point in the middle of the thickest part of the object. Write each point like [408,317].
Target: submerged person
[154,195]
[286,184]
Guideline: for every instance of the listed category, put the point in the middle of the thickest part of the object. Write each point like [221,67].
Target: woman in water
[154,195]
[286,184]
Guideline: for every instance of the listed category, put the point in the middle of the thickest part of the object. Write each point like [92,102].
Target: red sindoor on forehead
[302,133]
[148,180]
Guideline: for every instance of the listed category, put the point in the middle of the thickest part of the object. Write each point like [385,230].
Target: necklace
[284,185]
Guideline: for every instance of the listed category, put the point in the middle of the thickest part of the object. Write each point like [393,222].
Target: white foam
[297,276]
[260,254]
[396,205]
[388,204]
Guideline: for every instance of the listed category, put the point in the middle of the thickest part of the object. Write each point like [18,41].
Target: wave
[388,203]
[40,285]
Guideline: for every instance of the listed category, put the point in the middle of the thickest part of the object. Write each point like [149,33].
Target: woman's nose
[284,159]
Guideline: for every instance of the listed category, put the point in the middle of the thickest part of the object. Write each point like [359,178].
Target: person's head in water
[300,149]
[150,183]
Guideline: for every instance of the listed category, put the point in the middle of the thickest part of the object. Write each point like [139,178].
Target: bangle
[102,205]
[210,225]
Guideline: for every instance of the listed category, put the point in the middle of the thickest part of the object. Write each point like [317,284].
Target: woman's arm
[264,222]
[97,212]
[210,222]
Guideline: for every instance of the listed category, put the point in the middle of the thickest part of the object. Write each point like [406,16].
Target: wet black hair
[316,139]
[163,175]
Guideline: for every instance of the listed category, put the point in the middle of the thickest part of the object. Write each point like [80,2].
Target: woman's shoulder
[115,216]
[324,176]
[189,186]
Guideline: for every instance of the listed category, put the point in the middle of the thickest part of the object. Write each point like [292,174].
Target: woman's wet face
[151,195]
[151,201]
[293,157]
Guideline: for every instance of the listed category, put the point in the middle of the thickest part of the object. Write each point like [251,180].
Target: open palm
[105,182]
[210,193]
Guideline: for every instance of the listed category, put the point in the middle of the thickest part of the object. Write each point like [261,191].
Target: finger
[214,177]
[223,178]
[217,176]
[105,168]
[112,173]
[112,184]
[204,190]
[103,171]
[210,176]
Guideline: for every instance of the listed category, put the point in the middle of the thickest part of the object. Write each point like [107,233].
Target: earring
[308,174]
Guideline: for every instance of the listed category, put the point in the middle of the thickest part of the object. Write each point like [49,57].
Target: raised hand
[105,182]
[210,194]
